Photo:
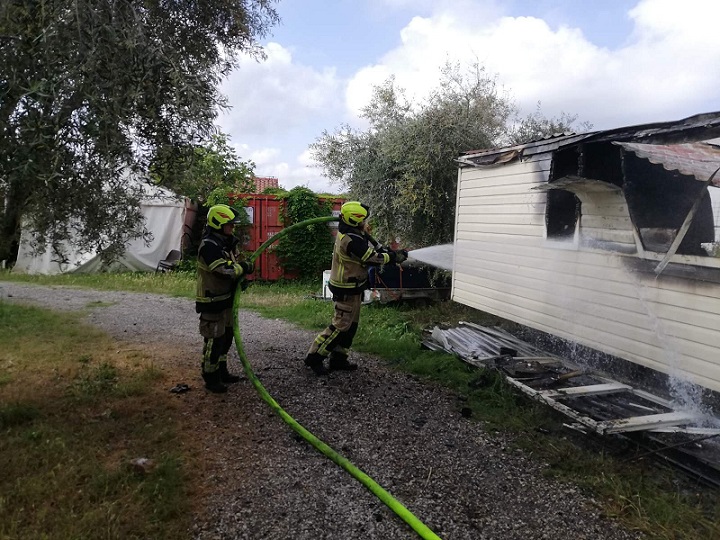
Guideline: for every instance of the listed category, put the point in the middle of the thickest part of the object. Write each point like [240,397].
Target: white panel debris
[592,399]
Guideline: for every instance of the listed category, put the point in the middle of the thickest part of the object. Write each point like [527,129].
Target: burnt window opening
[659,201]
[562,208]
[562,211]
[601,161]
[565,162]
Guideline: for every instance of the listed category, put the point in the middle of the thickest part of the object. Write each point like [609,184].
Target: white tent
[167,216]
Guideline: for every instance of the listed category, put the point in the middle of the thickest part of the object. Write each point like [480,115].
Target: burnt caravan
[608,239]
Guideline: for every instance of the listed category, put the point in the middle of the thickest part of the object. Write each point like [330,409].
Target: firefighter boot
[225,376]
[315,362]
[339,362]
[213,383]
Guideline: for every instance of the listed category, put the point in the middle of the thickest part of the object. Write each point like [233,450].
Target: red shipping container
[265,215]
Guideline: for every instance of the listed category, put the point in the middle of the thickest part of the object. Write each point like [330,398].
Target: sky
[613,63]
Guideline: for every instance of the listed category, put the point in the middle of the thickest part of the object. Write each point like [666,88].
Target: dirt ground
[263,481]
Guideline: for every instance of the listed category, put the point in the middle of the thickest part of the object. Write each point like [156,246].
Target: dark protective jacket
[352,254]
[218,272]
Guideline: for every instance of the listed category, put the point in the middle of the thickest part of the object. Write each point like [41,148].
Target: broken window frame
[661,201]
[574,170]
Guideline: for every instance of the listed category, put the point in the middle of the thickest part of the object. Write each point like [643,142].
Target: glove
[248,267]
[401,256]
[244,284]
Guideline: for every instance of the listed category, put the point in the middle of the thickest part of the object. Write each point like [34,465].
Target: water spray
[440,256]
[418,526]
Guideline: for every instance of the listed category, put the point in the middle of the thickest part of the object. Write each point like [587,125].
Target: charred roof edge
[691,129]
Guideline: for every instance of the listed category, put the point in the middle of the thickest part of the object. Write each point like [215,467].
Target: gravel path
[263,481]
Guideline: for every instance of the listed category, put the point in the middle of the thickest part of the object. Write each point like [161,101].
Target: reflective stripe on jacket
[352,254]
[217,272]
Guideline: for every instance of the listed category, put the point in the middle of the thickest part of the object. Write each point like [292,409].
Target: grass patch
[98,303]
[180,284]
[71,421]
[17,414]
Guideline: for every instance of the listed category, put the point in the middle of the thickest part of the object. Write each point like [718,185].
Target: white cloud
[667,69]
[670,20]
[277,94]
[300,171]
[307,172]
[264,156]
[276,103]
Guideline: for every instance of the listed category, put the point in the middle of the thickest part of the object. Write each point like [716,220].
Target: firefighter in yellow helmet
[219,270]
[354,251]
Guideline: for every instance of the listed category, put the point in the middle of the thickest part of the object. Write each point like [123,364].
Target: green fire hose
[417,525]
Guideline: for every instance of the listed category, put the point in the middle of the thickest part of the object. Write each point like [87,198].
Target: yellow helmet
[220,214]
[353,213]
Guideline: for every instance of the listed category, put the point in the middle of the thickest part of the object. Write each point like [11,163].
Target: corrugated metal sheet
[692,159]
[700,127]
[692,129]
[496,156]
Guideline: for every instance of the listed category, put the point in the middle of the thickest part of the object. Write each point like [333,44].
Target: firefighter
[354,251]
[219,270]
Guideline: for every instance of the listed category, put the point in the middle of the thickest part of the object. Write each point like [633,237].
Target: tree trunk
[10,226]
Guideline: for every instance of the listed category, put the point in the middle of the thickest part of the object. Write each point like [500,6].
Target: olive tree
[91,90]
[403,166]
[535,126]
[204,172]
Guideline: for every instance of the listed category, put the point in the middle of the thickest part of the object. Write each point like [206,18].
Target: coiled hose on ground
[392,503]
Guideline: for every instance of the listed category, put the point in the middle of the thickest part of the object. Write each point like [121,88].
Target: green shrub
[308,251]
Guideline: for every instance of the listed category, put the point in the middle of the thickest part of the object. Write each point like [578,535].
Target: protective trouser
[337,338]
[217,330]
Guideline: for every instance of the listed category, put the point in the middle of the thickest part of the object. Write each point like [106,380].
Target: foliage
[91,91]
[188,264]
[536,126]
[277,191]
[404,165]
[309,251]
[205,173]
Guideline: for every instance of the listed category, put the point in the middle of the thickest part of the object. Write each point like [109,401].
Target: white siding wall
[505,266]
[715,201]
